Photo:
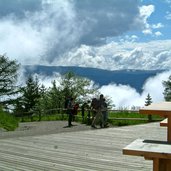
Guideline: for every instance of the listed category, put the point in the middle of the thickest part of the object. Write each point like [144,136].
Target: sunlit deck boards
[93,150]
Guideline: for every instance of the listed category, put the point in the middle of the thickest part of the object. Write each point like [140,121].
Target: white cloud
[20,40]
[126,55]
[41,31]
[128,38]
[126,96]
[53,33]
[47,81]
[157,26]
[158,33]
[155,87]
[168,15]
[43,80]
[145,13]
[62,33]
[39,35]
[123,96]
[147,31]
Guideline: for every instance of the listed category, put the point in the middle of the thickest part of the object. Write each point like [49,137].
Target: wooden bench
[164,122]
[158,151]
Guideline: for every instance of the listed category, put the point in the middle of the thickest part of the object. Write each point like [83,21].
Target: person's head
[94,100]
[101,96]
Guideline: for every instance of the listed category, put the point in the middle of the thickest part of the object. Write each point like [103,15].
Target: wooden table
[159,152]
[162,109]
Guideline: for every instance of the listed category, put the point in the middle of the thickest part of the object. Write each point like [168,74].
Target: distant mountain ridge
[133,78]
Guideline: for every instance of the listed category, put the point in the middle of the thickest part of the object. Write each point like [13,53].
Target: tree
[167,90]
[42,103]
[148,100]
[76,86]
[147,103]
[8,78]
[54,97]
[31,94]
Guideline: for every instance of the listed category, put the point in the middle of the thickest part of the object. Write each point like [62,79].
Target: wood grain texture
[93,150]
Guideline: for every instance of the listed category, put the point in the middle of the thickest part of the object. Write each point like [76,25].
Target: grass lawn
[123,118]
[116,118]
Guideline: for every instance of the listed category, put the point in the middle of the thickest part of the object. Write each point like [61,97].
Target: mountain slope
[134,78]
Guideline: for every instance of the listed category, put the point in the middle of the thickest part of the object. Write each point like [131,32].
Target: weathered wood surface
[93,150]
[149,149]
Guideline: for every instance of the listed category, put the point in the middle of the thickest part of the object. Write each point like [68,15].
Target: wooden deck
[93,150]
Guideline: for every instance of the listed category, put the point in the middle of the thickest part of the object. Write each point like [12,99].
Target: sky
[106,34]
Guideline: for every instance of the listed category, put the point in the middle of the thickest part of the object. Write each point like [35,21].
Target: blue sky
[162,9]
[158,21]
[107,34]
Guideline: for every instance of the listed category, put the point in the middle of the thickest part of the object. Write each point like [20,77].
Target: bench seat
[164,122]
[158,151]
[149,148]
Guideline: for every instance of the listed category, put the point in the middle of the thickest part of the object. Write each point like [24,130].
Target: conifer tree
[148,100]
[8,78]
[167,90]
[31,94]
[147,103]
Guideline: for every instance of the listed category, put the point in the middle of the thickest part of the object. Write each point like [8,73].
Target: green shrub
[7,121]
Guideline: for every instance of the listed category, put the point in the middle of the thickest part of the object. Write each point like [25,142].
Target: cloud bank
[81,33]
[124,96]
[45,31]
[121,55]
[88,33]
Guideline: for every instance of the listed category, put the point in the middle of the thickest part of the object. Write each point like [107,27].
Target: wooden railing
[87,114]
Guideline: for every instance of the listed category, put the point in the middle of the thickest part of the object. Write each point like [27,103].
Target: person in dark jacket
[70,109]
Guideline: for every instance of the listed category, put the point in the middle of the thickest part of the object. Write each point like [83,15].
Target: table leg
[156,164]
[161,164]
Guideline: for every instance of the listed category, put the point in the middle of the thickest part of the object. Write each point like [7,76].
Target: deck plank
[93,150]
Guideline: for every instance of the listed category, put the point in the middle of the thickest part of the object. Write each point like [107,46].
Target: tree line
[34,96]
